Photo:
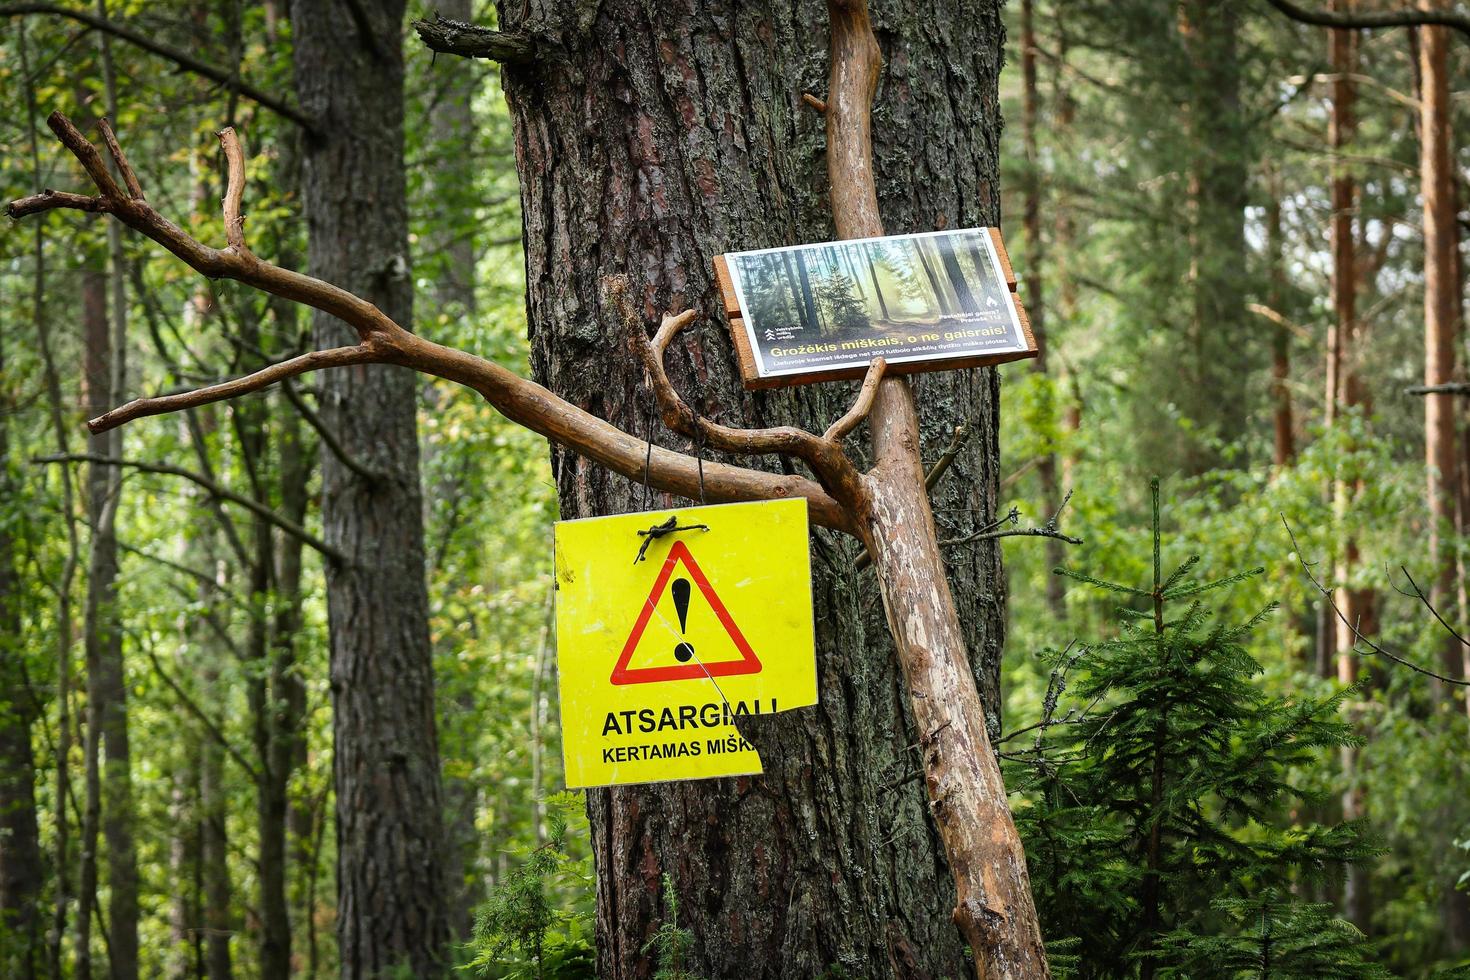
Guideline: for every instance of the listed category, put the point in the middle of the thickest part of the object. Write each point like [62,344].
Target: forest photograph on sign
[906,298]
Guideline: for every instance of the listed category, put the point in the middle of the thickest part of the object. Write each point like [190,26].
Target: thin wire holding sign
[657,531]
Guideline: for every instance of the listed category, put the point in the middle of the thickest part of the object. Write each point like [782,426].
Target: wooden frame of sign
[962,278]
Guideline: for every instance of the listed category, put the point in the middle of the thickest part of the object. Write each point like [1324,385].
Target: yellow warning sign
[672,624]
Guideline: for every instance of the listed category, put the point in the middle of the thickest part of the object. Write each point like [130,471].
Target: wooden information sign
[927,302]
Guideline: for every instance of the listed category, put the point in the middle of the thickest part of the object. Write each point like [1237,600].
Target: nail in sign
[658,657]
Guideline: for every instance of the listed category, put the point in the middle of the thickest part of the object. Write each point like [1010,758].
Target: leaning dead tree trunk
[887,507]
[995,911]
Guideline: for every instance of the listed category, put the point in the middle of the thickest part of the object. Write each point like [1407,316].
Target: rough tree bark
[391,905]
[652,140]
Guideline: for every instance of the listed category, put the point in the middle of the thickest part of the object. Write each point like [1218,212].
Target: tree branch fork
[837,496]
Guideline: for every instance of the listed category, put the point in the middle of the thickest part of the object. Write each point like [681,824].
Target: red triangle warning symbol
[748,664]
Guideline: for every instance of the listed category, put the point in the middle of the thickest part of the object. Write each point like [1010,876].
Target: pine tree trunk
[251,420]
[1283,428]
[117,778]
[1213,393]
[1440,302]
[1051,494]
[109,786]
[1345,389]
[831,858]
[391,904]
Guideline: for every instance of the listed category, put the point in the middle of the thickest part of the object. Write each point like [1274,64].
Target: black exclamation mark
[684,651]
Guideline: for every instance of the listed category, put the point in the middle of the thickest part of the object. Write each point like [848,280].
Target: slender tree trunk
[296,464]
[831,858]
[21,870]
[1283,425]
[251,419]
[214,849]
[61,851]
[1066,238]
[288,748]
[1440,302]
[288,689]
[1347,389]
[1051,494]
[391,906]
[117,779]
[453,131]
[1218,146]
[183,846]
[100,635]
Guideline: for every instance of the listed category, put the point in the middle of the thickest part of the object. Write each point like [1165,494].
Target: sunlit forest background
[1172,224]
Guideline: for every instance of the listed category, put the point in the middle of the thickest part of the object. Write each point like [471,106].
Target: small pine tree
[519,932]
[1164,799]
[670,945]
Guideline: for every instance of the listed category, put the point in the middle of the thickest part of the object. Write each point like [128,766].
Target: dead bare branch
[1450,388]
[234,188]
[163,404]
[838,430]
[1405,17]
[950,454]
[936,473]
[826,458]
[382,341]
[327,436]
[211,728]
[998,530]
[135,189]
